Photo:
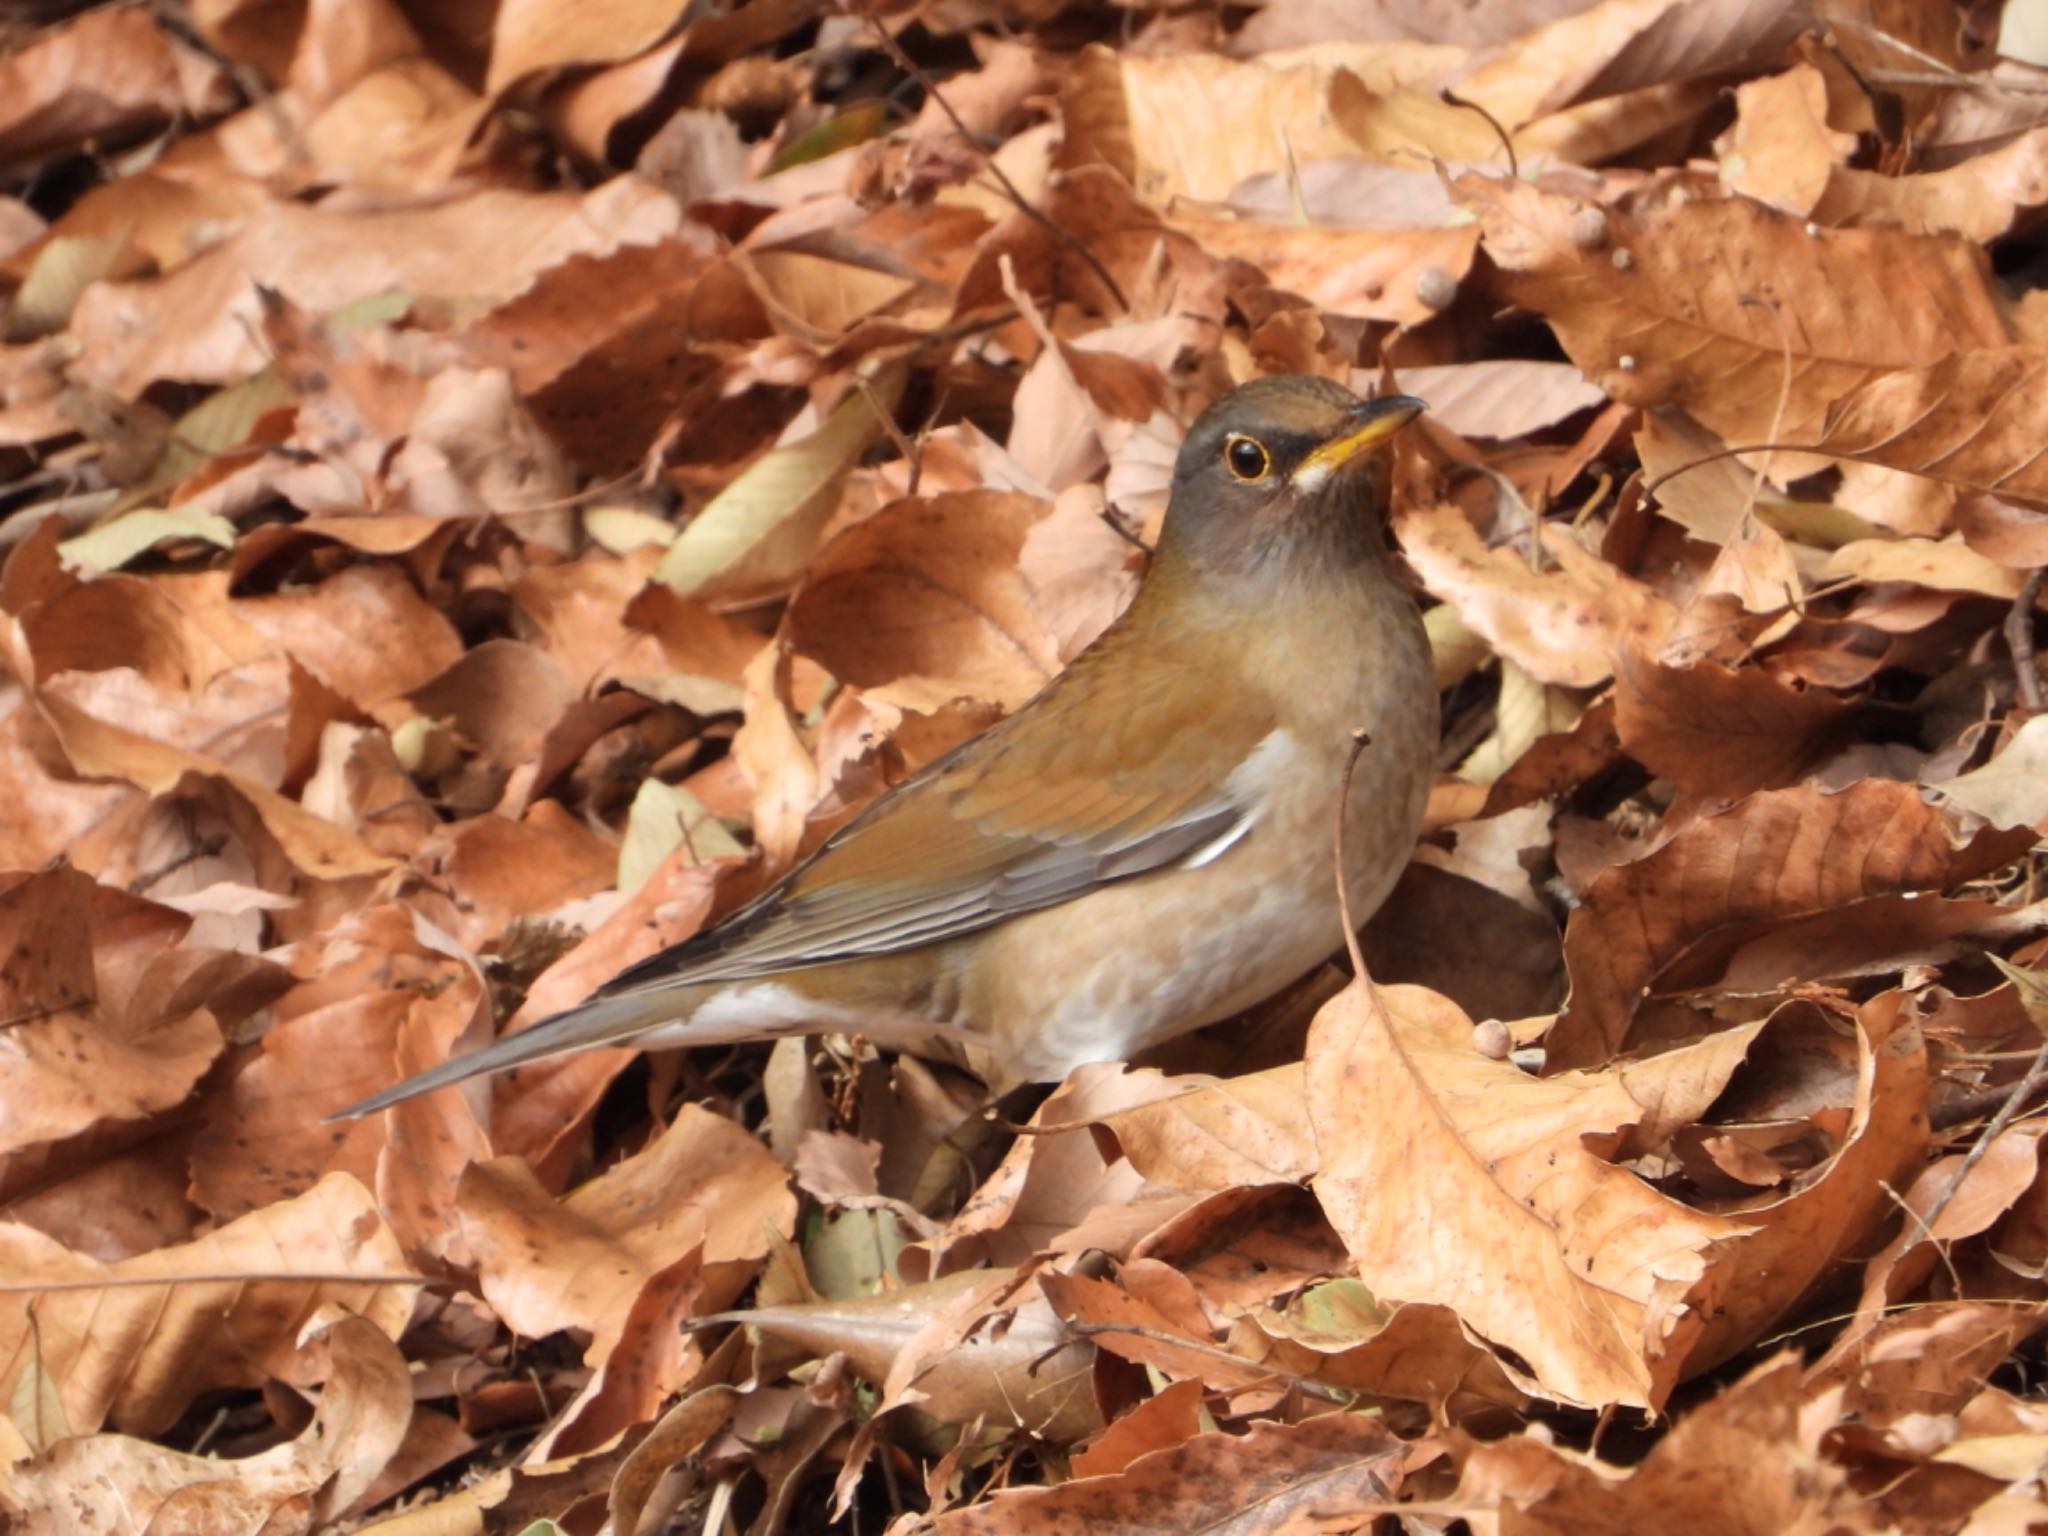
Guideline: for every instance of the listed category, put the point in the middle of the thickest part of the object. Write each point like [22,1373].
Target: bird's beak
[1373,423]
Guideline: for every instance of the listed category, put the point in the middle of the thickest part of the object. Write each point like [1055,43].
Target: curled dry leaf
[1504,399]
[1826,850]
[761,530]
[1831,1215]
[1781,150]
[1276,1477]
[1814,314]
[100,76]
[97,749]
[1719,730]
[133,1343]
[961,619]
[1564,625]
[1752,1445]
[1980,199]
[546,1265]
[110,1482]
[2012,789]
[1218,1133]
[1015,1365]
[1575,1265]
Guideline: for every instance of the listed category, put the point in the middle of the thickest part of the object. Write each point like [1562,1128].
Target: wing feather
[1041,808]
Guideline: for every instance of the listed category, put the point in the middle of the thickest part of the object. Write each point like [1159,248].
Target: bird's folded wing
[1042,808]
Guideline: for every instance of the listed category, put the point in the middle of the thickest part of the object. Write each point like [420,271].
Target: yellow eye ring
[1246,457]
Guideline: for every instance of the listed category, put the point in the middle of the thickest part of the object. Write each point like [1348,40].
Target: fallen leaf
[758,533]
[1543,1249]
[109,1482]
[133,1343]
[1830,849]
[1326,1471]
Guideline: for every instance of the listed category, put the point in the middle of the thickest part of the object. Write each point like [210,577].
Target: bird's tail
[604,1020]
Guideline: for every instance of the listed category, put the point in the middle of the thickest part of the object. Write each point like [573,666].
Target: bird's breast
[1133,964]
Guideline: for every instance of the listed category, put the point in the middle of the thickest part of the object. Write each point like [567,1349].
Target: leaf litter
[481,497]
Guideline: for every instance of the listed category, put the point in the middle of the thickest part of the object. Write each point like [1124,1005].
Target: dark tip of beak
[1372,423]
[1398,410]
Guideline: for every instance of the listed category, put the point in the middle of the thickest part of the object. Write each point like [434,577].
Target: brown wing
[1043,807]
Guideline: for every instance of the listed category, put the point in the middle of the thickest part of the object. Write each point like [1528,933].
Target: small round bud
[1436,288]
[1624,258]
[1492,1040]
[1589,228]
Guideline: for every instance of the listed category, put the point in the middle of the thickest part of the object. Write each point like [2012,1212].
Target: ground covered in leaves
[486,485]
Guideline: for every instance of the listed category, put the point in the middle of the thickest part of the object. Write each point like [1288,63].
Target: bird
[1149,844]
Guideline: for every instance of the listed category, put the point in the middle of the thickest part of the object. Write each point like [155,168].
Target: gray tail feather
[601,1021]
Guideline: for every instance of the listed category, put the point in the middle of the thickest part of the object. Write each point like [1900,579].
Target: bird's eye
[1247,458]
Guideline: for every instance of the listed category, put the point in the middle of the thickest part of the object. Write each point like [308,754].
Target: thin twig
[1360,740]
[1452,98]
[2019,639]
[1650,487]
[1978,85]
[1120,523]
[2037,1073]
[1024,205]
[1965,1107]
[1763,468]
[911,457]
[147,1282]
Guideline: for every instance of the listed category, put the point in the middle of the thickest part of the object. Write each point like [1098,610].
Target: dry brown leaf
[202,321]
[1503,398]
[1945,565]
[387,995]
[106,1010]
[113,1483]
[1981,198]
[1152,119]
[1565,625]
[1295,23]
[1047,1189]
[1138,1328]
[1972,420]
[1217,1133]
[1781,150]
[1627,45]
[582,1262]
[1167,1418]
[1542,1248]
[132,1343]
[1721,731]
[924,604]
[99,750]
[99,76]
[2009,532]
[1825,851]
[1804,315]
[1021,1367]
[1325,1473]
[1746,1462]
[1831,1214]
